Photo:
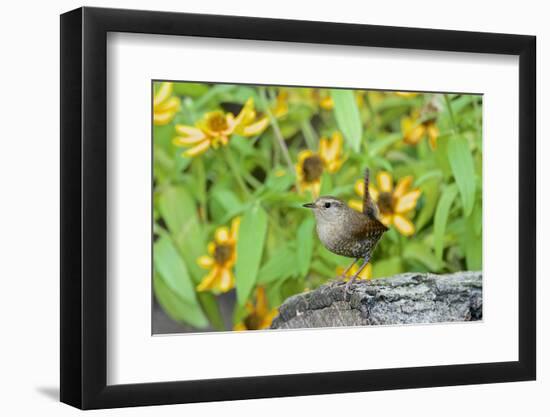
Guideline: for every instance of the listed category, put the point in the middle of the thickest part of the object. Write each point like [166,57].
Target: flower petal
[405,94]
[209,281]
[330,151]
[255,128]
[386,219]
[187,140]
[359,188]
[414,135]
[205,262]
[172,104]
[385,181]
[433,135]
[227,280]
[366,273]
[303,155]
[326,103]
[162,93]
[211,248]
[357,205]
[239,327]
[403,225]
[402,186]
[407,202]
[199,149]
[192,131]
[235,223]
[222,235]
[261,302]
[246,115]
[268,319]
[162,118]
[374,194]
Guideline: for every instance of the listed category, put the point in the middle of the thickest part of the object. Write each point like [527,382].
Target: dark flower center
[253,321]
[222,253]
[385,202]
[217,122]
[313,168]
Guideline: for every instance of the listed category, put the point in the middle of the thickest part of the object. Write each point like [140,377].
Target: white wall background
[29,208]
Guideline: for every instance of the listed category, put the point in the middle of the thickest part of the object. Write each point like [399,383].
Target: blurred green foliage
[234,163]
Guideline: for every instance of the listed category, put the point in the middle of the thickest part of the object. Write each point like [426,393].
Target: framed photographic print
[258,208]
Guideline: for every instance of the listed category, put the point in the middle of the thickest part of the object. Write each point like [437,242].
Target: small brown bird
[347,232]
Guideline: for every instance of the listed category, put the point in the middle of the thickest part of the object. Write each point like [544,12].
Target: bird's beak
[309,205]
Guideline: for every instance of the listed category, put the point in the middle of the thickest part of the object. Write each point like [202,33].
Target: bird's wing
[367,227]
[375,227]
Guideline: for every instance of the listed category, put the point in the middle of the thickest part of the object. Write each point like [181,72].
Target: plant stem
[372,113]
[451,114]
[199,164]
[309,135]
[276,129]
[235,170]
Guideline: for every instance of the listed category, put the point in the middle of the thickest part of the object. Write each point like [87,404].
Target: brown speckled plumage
[345,231]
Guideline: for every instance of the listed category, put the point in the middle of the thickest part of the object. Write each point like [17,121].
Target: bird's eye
[327,205]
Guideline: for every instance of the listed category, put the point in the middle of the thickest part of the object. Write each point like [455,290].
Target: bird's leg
[354,277]
[343,276]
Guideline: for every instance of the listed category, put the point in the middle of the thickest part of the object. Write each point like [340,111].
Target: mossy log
[402,299]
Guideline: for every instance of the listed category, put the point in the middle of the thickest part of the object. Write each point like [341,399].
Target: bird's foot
[336,282]
[347,288]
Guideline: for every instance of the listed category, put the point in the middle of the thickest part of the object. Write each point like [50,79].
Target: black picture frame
[84,207]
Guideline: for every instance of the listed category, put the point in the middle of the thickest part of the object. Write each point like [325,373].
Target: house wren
[346,232]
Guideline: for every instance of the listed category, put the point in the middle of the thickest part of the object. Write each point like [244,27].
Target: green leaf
[418,251]
[190,89]
[473,240]
[380,144]
[162,136]
[430,192]
[178,309]
[173,286]
[435,174]
[210,307]
[462,165]
[387,267]
[227,199]
[440,218]
[216,90]
[179,211]
[250,246]
[323,270]
[326,184]
[348,117]
[280,265]
[304,244]
[172,269]
[199,179]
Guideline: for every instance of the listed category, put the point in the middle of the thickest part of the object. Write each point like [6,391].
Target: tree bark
[401,299]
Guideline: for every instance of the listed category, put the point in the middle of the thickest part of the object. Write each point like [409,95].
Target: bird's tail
[369,205]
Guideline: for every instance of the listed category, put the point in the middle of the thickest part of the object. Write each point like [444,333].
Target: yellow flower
[215,129]
[413,130]
[259,315]
[405,94]
[322,98]
[222,255]
[247,123]
[331,152]
[311,165]
[395,204]
[280,109]
[365,274]
[165,105]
